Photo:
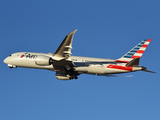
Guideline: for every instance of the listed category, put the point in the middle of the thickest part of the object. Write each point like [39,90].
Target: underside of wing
[63,65]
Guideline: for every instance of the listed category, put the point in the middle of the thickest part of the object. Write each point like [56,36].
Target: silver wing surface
[62,61]
[64,50]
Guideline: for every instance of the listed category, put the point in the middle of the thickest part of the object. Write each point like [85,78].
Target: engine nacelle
[43,60]
[62,76]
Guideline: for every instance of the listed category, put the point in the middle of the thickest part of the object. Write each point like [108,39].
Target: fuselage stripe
[120,67]
[121,61]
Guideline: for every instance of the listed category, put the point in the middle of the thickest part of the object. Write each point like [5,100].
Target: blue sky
[106,29]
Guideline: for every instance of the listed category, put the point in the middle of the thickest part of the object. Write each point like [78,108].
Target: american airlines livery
[68,67]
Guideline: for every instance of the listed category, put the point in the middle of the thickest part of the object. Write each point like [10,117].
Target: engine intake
[43,60]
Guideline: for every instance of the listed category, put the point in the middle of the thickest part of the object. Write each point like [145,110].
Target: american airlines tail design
[69,67]
[136,52]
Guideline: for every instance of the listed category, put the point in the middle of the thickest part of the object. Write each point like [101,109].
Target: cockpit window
[9,55]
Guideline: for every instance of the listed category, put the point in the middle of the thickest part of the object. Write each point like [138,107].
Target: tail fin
[136,52]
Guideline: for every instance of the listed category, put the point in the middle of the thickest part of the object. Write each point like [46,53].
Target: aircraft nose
[6,60]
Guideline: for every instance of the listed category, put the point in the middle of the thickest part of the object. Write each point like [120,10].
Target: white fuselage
[86,65]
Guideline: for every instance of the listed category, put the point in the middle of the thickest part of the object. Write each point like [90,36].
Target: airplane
[69,67]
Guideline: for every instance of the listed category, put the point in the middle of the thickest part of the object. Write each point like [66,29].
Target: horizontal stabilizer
[148,71]
[145,70]
[134,62]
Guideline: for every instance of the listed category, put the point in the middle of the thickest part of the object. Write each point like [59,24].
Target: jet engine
[43,60]
[62,76]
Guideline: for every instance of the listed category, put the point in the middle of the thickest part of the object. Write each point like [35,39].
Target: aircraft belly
[93,69]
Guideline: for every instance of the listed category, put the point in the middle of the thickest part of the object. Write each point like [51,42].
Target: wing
[62,60]
[63,65]
[64,50]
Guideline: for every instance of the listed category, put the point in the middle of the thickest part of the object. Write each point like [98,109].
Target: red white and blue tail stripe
[136,52]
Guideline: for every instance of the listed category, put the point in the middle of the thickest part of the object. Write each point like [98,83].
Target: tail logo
[138,50]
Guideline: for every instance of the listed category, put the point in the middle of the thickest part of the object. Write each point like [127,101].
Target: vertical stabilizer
[136,52]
